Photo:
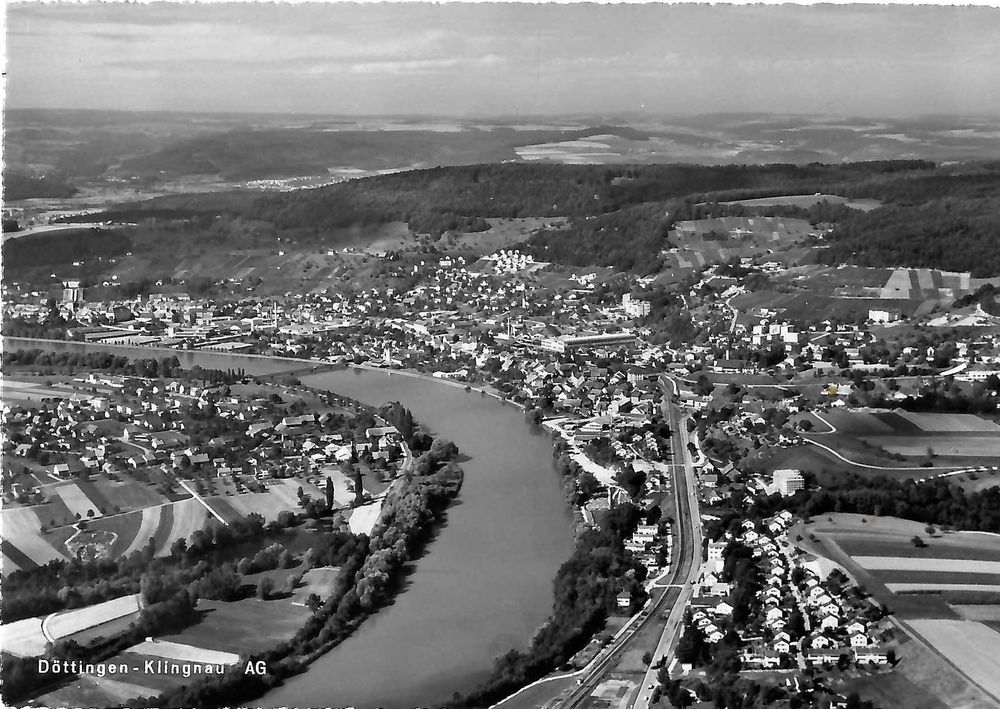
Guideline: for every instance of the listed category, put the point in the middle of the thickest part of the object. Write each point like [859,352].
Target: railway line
[687,554]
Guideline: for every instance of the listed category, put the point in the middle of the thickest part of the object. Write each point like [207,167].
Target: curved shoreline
[324,368]
[306,362]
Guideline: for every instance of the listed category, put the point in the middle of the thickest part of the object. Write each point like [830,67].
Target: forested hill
[940,216]
[445,198]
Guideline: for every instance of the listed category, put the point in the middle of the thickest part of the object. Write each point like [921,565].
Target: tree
[329,492]
[264,588]
[703,387]
[918,542]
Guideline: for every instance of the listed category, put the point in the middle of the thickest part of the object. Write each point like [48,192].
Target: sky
[483,59]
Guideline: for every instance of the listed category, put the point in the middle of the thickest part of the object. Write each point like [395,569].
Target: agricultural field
[149,521]
[972,647]
[808,200]
[28,637]
[879,551]
[22,540]
[916,582]
[23,638]
[63,624]
[127,495]
[922,680]
[187,516]
[171,650]
[905,444]
[79,503]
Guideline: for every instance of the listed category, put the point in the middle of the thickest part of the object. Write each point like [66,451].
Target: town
[748,402]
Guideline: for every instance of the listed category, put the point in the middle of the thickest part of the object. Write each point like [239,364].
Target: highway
[685,563]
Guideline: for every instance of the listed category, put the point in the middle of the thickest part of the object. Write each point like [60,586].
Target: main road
[685,565]
[689,524]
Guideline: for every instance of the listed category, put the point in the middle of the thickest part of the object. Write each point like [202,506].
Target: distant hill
[147,149]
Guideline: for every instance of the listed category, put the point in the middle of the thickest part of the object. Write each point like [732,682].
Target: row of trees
[369,569]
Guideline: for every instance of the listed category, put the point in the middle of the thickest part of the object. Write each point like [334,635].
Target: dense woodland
[956,233]
[22,185]
[934,502]
[619,216]
[64,247]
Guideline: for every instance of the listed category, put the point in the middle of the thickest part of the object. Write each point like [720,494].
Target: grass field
[971,646]
[84,691]
[245,626]
[320,581]
[54,512]
[223,508]
[891,690]
[104,631]
[280,495]
[925,680]
[127,494]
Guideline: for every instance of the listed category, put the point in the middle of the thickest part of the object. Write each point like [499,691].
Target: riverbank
[462,605]
[305,362]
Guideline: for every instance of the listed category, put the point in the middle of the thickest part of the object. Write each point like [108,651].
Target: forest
[64,247]
[930,502]
[954,233]
[19,185]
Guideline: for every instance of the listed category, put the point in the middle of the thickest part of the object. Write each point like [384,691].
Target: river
[485,584]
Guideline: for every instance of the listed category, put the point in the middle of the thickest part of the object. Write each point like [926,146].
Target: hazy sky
[468,59]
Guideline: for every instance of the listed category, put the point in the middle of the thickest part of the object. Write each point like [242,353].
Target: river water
[485,584]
